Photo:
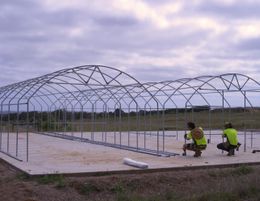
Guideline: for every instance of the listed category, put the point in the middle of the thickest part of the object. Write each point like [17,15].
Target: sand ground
[49,155]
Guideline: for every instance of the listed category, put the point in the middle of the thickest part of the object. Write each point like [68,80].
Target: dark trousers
[226,146]
[194,147]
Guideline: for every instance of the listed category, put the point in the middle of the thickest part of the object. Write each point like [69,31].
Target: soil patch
[240,183]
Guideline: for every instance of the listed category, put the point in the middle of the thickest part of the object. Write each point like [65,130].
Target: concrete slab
[49,155]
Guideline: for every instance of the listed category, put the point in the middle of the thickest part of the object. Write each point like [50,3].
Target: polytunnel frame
[221,92]
[33,86]
[118,93]
[239,89]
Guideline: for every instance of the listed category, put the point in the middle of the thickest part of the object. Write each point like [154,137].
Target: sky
[152,40]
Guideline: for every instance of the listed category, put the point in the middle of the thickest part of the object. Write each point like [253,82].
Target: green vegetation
[169,119]
[22,176]
[118,188]
[236,172]
[228,184]
[57,180]
[242,170]
[241,183]
[85,188]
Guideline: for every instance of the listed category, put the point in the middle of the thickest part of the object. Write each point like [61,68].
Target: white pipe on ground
[134,163]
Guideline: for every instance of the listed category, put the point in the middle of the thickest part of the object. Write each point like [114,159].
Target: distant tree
[119,111]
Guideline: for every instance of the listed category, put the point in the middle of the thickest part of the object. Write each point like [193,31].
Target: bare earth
[240,183]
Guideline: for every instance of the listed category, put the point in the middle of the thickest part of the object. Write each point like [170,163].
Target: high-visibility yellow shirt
[231,135]
[201,141]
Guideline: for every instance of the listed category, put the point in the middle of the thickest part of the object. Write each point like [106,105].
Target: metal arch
[191,87]
[114,79]
[242,75]
[163,111]
[28,84]
[25,84]
[138,84]
[47,95]
[165,84]
[238,87]
[64,88]
[171,96]
[207,82]
[126,92]
[69,92]
[112,95]
[203,83]
[89,67]
[13,90]
[38,79]
[8,136]
[234,81]
[153,95]
[221,77]
[107,89]
[123,86]
[110,80]
[195,90]
[182,82]
[200,78]
[99,71]
[44,87]
[53,103]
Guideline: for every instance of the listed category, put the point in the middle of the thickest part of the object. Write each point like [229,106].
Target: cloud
[145,12]
[151,40]
[230,9]
[252,44]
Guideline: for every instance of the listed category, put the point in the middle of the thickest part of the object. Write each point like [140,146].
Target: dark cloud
[149,73]
[115,21]
[252,44]
[146,42]
[232,51]
[14,4]
[241,9]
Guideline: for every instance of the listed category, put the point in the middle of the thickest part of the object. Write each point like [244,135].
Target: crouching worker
[231,140]
[199,141]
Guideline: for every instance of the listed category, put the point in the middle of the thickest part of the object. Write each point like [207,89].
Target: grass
[239,171]
[242,170]
[57,180]
[216,196]
[247,193]
[85,188]
[228,184]
[241,183]
[158,121]
[118,188]
[22,176]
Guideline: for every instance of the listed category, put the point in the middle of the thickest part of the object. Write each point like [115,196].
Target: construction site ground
[51,155]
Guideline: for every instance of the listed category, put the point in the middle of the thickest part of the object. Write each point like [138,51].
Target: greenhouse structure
[108,107]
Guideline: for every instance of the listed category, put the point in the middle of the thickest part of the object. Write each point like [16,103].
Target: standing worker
[199,141]
[232,142]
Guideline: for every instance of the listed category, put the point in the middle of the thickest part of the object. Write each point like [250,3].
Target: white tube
[134,163]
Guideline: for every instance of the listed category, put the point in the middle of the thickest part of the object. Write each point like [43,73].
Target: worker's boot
[231,152]
[197,153]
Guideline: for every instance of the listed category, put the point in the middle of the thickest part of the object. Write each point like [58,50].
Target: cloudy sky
[152,40]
